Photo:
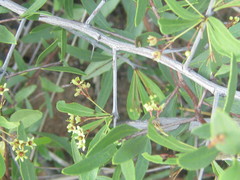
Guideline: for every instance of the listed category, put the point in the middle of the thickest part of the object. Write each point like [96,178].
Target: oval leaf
[77,109]
[6,36]
[130,149]
[197,159]
[91,162]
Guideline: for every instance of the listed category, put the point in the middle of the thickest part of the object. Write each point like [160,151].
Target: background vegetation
[119,89]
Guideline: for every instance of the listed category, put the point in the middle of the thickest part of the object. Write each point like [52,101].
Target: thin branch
[200,175]
[8,20]
[115,107]
[210,7]
[10,52]
[94,13]
[195,45]
[122,46]
[215,101]
[33,69]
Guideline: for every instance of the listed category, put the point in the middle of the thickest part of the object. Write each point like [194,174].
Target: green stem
[89,98]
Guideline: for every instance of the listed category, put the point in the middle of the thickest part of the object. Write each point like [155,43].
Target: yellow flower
[152,40]
[3,89]
[21,154]
[156,55]
[17,144]
[71,128]
[30,142]
[77,81]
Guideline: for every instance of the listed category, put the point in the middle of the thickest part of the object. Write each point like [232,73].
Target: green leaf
[203,131]
[168,141]
[7,124]
[2,166]
[142,164]
[47,51]
[170,26]
[115,134]
[129,149]
[217,170]
[75,152]
[233,3]
[26,116]
[159,160]
[93,125]
[86,55]
[47,85]
[151,87]
[140,11]
[24,93]
[180,11]
[61,141]
[231,172]
[77,109]
[133,101]
[197,159]
[224,131]
[6,36]
[97,68]
[91,162]
[63,43]
[221,39]
[232,84]
[128,170]
[66,69]
[224,69]
[106,89]
[33,8]
[27,169]
[69,7]
[19,60]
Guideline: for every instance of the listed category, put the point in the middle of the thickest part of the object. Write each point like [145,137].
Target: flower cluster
[234,20]
[77,131]
[19,147]
[82,86]
[152,106]
[152,40]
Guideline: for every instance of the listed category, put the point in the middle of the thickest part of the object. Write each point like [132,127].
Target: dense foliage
[169,66]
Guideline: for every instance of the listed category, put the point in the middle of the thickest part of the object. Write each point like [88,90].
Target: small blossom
[17,144]
[187,53]
[156,55]
[81,145]
[79,131]
[77,119]
[30,142]
[3,89]
[21,154]
[71,128]
[77,81]
[231,18]
[152,40]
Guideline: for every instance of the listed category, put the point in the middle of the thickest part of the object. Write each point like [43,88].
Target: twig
[210,6]
[8,20]
[200,175]
[154,9]
[10,52]
[94,13]
[115,108]
[97,44]
[195,45]
[33,69]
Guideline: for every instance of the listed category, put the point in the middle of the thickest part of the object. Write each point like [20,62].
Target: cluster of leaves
[125,149]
